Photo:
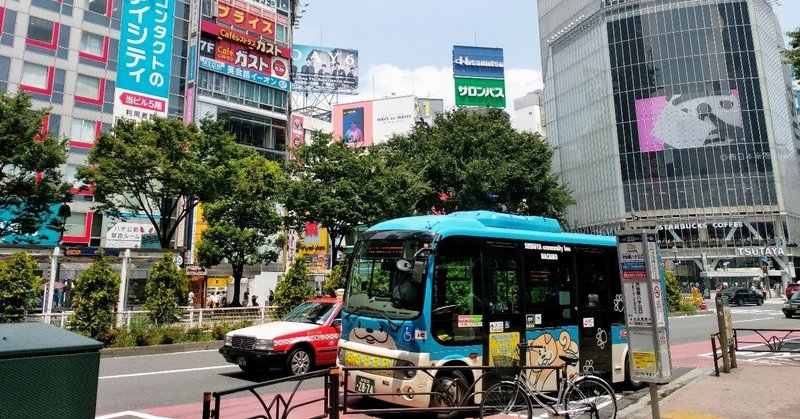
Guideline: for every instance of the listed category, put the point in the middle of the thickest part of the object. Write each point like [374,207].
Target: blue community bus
[464,289]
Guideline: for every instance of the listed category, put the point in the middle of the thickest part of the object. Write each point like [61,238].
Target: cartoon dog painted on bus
[371,336]
[547,355]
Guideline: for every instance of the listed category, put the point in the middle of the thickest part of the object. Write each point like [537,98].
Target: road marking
[753,320]
[130,413]
[166,353]
[142,374]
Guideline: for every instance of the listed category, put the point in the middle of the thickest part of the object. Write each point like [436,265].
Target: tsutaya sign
[760,251]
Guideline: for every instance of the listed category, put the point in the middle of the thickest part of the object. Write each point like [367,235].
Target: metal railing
[767,340]
[191,316]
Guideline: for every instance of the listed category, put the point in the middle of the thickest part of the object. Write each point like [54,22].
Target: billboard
[247,17]
[324,69]
[298,134]
[373,122]
[243,73]
[145,58]
[242,56]
[478,62]
[480,92]
[689,121]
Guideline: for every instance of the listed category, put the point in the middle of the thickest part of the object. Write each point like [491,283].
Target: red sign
[249,21]
[143,102]
[241,55]
[279,68]
[256,43]
[634,275]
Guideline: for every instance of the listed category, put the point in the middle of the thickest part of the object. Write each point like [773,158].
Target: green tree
[94,298]
[335,279]
[793,55]
[243,223]
[293,289]
[476,160]
[674,298]
[161,167]
[166,291]
[30,179]
[341,187]
[18,286]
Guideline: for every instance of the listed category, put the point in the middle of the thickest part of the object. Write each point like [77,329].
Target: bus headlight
[404,374]
[264,345]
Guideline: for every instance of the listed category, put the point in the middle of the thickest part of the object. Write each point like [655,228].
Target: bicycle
[578,396]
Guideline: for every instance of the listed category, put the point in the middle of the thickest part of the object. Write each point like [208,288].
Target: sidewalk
[749,391]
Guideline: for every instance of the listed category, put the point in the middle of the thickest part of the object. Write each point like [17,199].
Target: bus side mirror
[419,271]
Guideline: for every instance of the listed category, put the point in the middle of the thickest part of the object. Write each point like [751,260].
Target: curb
[641,409]
[687,314]
[160,349]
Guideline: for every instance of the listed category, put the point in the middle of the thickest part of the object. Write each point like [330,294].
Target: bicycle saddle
[569,360]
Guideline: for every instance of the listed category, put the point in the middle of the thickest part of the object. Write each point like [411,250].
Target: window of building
[35,76]
[71,175]
[281,34]
[83,131]
[92,44]
[97,6]
[87,86]
[75,225]
[40,30]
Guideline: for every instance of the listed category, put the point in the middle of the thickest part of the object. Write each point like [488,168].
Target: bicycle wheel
[590,397]
[506,399]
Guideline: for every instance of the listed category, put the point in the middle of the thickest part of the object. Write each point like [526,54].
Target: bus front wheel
[450,390]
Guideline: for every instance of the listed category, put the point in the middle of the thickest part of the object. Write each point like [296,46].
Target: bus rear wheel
[450,390]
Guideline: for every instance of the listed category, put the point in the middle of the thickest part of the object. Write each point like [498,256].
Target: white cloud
[433,82]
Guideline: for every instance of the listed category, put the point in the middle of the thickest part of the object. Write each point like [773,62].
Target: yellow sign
[360,360]
[503,349]
[644,361]
[217,282]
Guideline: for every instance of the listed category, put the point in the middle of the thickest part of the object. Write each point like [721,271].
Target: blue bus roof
[494,225]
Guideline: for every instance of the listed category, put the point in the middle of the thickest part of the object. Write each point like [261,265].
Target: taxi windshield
[310,312]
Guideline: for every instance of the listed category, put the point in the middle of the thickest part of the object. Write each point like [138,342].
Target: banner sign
[478,62]
[145,57]
[243,73]
[480,92]
[324,69]
[254,20]
[259,44]
[298,134]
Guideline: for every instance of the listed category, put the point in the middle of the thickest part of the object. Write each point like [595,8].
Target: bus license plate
[365,385]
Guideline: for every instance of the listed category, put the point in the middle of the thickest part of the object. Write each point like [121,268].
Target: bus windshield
[381,280]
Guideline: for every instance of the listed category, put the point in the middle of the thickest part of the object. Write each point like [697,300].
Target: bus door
[503,319]
[595,310]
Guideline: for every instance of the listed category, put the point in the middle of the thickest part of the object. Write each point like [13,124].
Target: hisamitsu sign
[478,62]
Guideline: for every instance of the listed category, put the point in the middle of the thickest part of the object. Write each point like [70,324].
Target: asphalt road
[154,381]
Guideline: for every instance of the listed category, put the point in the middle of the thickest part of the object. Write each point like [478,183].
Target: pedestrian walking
[255,300]
[271,297]
[191,298]
[246,298]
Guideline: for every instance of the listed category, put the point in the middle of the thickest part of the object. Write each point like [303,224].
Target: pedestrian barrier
[452,395]
[191,316]
[767,340]
[716,343]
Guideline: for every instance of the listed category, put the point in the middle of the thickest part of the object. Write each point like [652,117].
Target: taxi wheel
[299,361]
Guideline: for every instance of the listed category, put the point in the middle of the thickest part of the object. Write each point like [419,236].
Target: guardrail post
[714,355]
[207,405]
[200,318]
[723,320]
[332,387]
[732,349]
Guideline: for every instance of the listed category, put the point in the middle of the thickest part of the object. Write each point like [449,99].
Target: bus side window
[549,290]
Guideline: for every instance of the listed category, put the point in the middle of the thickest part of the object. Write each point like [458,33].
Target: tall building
[676,115]
[529,112]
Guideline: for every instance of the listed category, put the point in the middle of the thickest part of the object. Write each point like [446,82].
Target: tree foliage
[30,179]
[334,280]
[166,291]
[476,160]
[793,54]
[18,286]
[161,167]
[94,297]
[673,291]
[341,187]
[293,289]
[242,223]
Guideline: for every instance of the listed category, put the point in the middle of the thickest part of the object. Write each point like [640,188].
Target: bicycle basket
[505,363]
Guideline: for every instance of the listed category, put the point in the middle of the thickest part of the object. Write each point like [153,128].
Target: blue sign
[243,73]
[45,236]
[478,62]
[145,46]
[633,266]
[192,62]
[408,333]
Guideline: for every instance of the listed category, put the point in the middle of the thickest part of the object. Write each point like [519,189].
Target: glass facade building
[677,115]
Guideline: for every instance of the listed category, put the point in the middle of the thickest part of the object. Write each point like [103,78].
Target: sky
[406,47]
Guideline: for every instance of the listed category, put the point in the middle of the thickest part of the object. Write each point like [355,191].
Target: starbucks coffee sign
[761,251]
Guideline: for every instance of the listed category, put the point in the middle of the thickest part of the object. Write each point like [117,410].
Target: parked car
[791,289]
[306,338]
[792,306]
[740,296]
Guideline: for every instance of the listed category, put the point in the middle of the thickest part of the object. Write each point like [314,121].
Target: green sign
[480,92]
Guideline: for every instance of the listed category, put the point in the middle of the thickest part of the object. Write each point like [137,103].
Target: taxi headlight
[264,345]
[228,340]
